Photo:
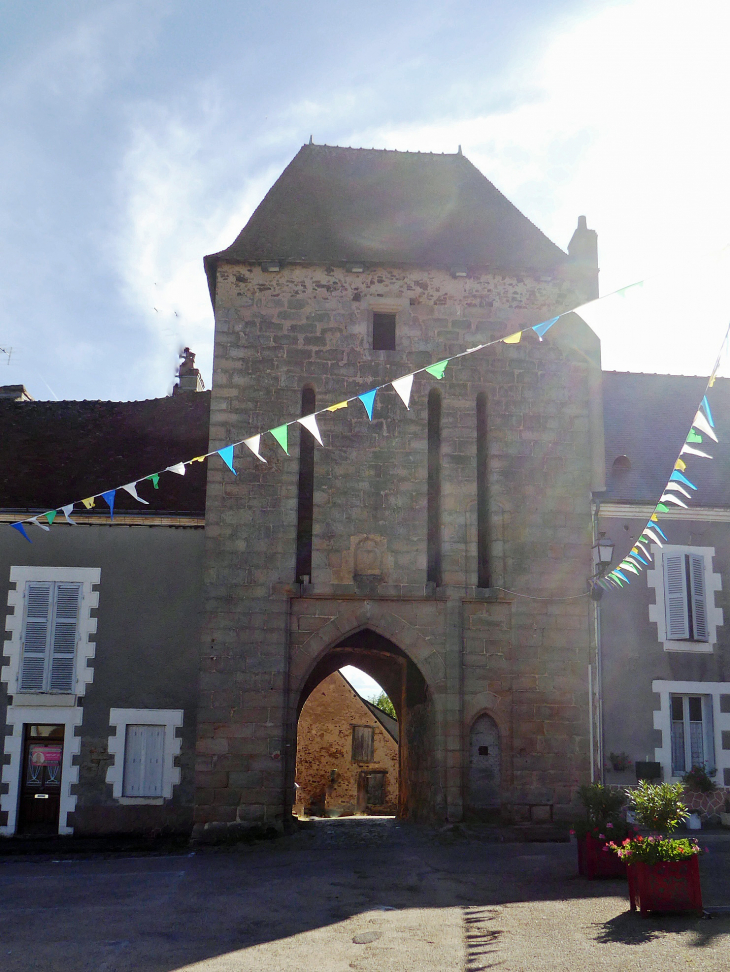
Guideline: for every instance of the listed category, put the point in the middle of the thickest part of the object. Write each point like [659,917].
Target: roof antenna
[310,140]
[459,152]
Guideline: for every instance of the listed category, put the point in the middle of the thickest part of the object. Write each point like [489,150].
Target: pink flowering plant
[659,807]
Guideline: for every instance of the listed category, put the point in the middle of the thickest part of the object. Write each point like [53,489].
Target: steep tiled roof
[52,453]
[647,418]
[340,205]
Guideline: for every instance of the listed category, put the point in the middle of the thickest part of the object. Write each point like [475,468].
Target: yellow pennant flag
[680,464]
[198,459]
[335,408]
[88,503]
[513,338]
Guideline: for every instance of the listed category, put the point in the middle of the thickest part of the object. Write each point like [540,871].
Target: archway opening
[352,757]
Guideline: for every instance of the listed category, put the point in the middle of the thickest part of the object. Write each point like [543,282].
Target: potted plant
[620,762]
[663,871]
[601,825]
[699,780]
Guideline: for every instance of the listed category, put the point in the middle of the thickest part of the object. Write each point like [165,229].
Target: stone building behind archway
[401,538]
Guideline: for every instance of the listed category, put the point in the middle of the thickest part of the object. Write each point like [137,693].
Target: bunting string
[701,427]
[403,387]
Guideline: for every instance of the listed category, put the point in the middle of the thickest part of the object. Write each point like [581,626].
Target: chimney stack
[190,380]
[583,253]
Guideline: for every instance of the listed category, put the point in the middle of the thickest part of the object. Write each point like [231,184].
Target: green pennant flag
[694,436]
[438,369]
[281,434]
[155,477]
[661,508]
[51,516]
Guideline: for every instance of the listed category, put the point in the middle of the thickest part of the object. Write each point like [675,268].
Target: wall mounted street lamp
[602,557]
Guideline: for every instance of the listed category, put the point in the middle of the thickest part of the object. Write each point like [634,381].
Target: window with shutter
[692,733]
[698,603]
[363,742]
[143,761]
[675,597]
[49,636]
[38,604]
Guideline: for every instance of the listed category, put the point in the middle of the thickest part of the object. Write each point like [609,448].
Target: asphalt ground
[371,895]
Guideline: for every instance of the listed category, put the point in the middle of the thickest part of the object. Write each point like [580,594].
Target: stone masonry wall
[523,660]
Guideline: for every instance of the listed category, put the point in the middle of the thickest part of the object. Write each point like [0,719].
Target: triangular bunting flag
[368,400]
[310,424]
[662,508]
[199,459]
[108,497]
[678,489]
[178,468]
[226,454]
[701,423]
[21,530]
[627,565]
[623,576]
[438,369]
[36,522]
[653,538]
[67,511]
[51,516]
[403,386]
[636,554]
[155,478]
[337,407]
[131,488]
[254,444]
[644,550]
[708,413]
[540,329]
[513,338]
[671,498]
[658,529]
[694,437]
[88,503]
[281,434]
[679,464]
[677,477]
[688,450]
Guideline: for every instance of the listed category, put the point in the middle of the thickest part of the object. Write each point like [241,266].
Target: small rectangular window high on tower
[383,331]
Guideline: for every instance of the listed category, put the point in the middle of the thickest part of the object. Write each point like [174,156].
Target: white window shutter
[675,597]
[65,626]
[699,601]
[143,761]
[38,604]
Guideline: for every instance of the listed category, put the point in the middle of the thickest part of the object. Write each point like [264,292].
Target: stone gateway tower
[439,548]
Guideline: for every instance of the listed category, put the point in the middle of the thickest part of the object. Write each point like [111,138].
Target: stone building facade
[347,753]
[403,545]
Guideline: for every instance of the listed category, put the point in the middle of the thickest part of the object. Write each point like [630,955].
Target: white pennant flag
[254,443]
[131,488]
[178,468]
[67,511]
[403,387]
[678,489]
[310,424]
[671,498]
[34,519]
[688,450]
[703,425]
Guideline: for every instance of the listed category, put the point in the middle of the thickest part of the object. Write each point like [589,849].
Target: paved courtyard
[370,895]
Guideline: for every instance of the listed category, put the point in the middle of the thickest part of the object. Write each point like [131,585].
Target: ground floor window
[144,754]
[691,733]
[144,748]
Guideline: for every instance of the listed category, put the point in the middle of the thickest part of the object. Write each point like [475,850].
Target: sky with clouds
[139,137]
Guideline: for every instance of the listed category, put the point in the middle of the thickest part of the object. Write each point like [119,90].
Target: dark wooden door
[40,783]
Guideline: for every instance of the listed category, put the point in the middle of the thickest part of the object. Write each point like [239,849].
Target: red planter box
[668,886]
[595,862]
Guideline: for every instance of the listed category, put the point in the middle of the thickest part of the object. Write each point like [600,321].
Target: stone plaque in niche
[368,558]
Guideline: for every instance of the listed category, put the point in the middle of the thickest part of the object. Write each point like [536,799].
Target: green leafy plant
[698,779]
[654,850]
[658,806]
[620,762]
[602,813]
[383,702]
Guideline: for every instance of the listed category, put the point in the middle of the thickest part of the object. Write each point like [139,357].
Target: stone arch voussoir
[369,615]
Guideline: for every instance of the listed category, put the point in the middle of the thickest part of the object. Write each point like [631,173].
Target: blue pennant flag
[540,329]
[653,525]
[109,498]
[708,413]
[368,400]
[21,529]
[679,478]
[617,571]
[226,454]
